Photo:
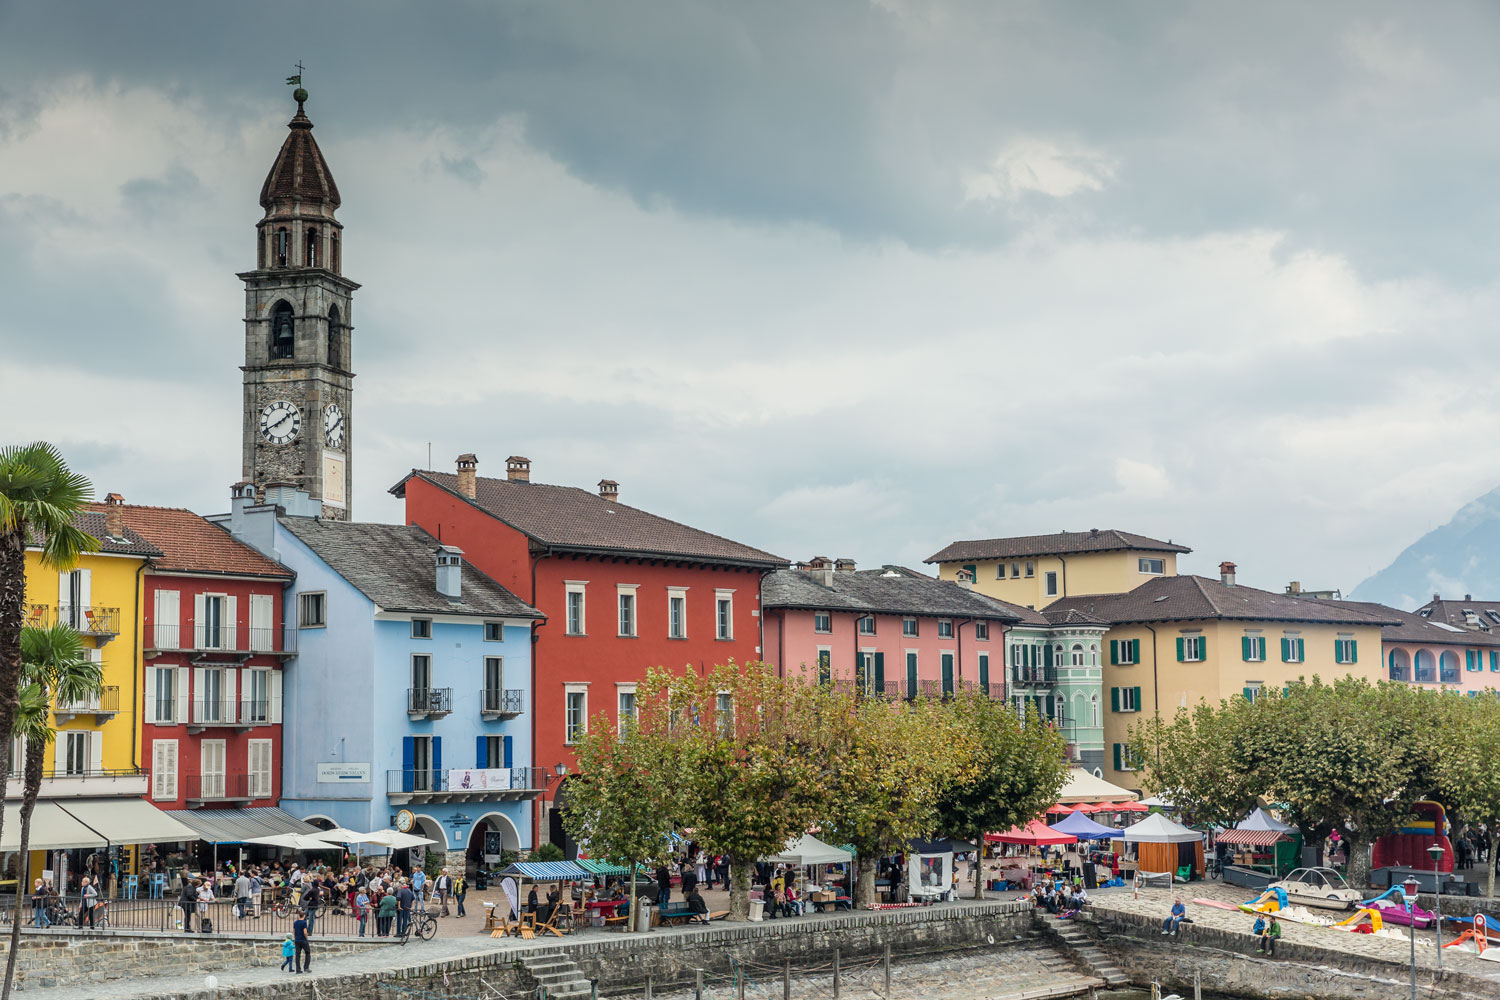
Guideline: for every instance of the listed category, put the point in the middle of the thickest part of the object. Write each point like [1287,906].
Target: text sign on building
[329,773]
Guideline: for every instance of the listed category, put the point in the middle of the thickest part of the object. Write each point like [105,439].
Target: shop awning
[126,821]
[236,826]
[547,871]
[51,829]
[603,867]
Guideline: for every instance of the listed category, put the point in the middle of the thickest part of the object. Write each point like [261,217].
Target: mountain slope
[1461,557]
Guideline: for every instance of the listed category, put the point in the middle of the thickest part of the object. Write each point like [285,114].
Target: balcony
[220,789]
[102,624]
[429,702]
[210,643]
[226,714]
[503,783]
[1033,676]
[497,704]
[102,706]
[38,616]
[64,784]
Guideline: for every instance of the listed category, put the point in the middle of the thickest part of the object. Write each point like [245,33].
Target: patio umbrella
[1035,833]
[395,839]
[340,835]
[1089,808]
[295,842]
[1060,809]
[1131,807]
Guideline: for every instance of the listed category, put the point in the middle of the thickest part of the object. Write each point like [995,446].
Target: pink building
[1457,647]
[890,630]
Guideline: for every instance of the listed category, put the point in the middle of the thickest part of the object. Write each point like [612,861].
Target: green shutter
[1117,757]
[1495,660]
[973,571]
[1301,651]
[1249,694]
[911,675]
[1245,647]
[1286,650]
[1047,655]
[1203,647]
[1137,699]
[1114,652]
[1135,651]
[1179,650]
[984,673]
[1338,651]
[880,673]
[1114,699]
[1353,650]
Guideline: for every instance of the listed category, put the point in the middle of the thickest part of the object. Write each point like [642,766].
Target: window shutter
[1179,649]
[1353,650]
[1135,651]
[1203,647]
[231,703]
[1301,651]
[508,759]
[1286,651]
[911,675]
[198,622]
[880,673]
[85,587]
[481,751]
[150,706]
[1137,699]
[64,593]
[1047,655]
[158,769]
[261,635]
[96,752]
[199,683]
[1495,660]
[1114,652]
[1249,694]
[408,762]
[1245,647]
[984,671]
[1117,757]
[437,761]
[1468,659]
[974,570]
[273,712]
[1114,702]
[231,637]
[183,695]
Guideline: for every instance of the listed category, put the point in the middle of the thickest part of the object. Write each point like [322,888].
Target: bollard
[648,987]
[835,974]
[887,972]
[698,989]
[786,980]
[1197,986]
[739,981]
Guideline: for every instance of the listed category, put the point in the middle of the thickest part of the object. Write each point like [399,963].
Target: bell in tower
[299,322]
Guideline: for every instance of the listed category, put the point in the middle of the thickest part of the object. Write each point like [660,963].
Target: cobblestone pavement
[1157,903]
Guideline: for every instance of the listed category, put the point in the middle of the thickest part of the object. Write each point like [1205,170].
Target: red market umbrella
[1092,807]
[1036,833]
[1132,807]
[1060,808]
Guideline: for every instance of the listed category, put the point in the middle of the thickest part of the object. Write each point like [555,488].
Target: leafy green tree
[1198,759]
[1468,747]
[1017,766]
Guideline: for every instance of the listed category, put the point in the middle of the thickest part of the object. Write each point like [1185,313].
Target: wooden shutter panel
[1179,649]
[1203,647]
[984,672]
[879,673]
[183,695]
[274,710]
[96,752]
[408,762]
[198,622]
[437,760]
[1137,698]
[199,683]
[150,700]
[1245,647]
[508,758]
[1286,654]
[1135,651]
[1301,651]
[481,751]
[911,675]
[1114,652]
[1117,757]
[1047,655]
[1114,700]
[1249,694]
[1353,650]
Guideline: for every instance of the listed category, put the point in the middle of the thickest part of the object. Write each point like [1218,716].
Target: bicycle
[422,924]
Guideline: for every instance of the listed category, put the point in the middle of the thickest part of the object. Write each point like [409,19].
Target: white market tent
[808,850]
[1085,786]
[1157,829]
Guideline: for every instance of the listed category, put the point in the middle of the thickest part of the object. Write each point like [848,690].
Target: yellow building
[1175,641]
[1036,570]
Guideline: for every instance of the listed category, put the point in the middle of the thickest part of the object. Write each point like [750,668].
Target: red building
[213,643]
[622,589]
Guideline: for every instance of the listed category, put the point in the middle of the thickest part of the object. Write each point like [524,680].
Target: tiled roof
[882,591]
[1059,544]
[129,544]
[395,566]
[1415,628]
[1070,616]
[300,172]
[570,519]
[190,544]
[1486,613]
[1191,598]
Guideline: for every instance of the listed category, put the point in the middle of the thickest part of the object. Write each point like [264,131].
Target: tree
[1017,767]
[892,763]
[1197,760]
[1469,746]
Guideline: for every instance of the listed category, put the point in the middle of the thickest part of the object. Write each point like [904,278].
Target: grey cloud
[464,168]
[149,197]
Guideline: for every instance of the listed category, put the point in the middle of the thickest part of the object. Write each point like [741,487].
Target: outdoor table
[612,906]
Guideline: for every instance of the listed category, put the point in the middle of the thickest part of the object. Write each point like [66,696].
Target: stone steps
[558,974]
[1081,944]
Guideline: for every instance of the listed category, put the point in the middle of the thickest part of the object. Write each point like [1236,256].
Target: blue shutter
[481,752]
[508,762]
[437,762]
[408,763]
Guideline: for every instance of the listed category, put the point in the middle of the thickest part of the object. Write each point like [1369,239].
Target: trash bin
[757,909]
[643,915]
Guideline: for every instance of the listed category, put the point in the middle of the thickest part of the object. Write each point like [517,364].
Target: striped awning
[547,871]
[1252,838]
[603,868]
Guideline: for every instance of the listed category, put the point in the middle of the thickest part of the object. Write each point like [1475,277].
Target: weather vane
[295,81]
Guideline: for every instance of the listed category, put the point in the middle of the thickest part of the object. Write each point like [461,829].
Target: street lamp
[560,769]
[1436,853]
[1410,887]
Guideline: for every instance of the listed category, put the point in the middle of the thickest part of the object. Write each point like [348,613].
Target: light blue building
[409,703]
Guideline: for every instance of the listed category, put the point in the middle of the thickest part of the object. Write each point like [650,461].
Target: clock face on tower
[333,425]
[280,422]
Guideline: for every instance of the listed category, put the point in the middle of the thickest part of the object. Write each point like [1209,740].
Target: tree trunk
[1359,862]
[12,613]
[1489,863]
[979,860]
[864,886]
[35,758]
[739,890]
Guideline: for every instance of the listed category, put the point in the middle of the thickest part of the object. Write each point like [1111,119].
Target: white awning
[126,821]
[51,829]
[1084,786]
[809,850]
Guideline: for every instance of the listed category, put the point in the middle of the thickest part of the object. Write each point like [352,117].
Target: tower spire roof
[300,173]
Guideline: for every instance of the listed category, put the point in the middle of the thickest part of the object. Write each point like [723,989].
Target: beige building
[1036,570]
[1177,640]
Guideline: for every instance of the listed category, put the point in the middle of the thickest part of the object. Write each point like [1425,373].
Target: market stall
[1262,850]
[1164,846]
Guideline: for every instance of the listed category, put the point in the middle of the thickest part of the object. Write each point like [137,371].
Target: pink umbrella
[1060,808]
[1035,833]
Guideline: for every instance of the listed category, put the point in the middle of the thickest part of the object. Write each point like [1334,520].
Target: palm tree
[56,666]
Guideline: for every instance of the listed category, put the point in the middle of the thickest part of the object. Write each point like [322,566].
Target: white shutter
[231,637]
[96,752]
[274,712]
[199,683]
[86,588]
[159,770]
[260,768]
[198,622]
[261,638]
[182,696]
[168,619]
[64,592]
[60,752]
[231,704]
[150,706]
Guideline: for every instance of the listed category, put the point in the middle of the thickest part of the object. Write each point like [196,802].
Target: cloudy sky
[844,278]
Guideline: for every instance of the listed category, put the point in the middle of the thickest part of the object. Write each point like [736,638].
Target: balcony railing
[227,787]
[439,782]
[90,620]
[1032,676]
[235,714]
[105,703]
[38,616]
[428,702]
[240,640]
[497,702]
[62,783]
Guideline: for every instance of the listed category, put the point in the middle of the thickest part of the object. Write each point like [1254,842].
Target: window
[576,717]
[999,572]
[575,609]
[211,625]
[421,628]
[1252,690]
[494,683]
[333,251]
[1051,583]
[627,611]
[1125,757]
[211,769]
[1253,647]
[945,629]
[981,630]
[1030,570]
[1191,648]
[1425,672]
[724,711]
[867,625]
[211,707]
[908,626]
[1155,567]
[257,696]
[984,672]
[1015,571]
[626,695]
[281,246]
[1077,654]
[335,338]
[494,631]
[283,338]
[1346,649]
[1400,665]
[1291,648]
[312,248]
[677,616]
[1125,699]
[825,665]
[422,763]
[494,754]
[76,757]
[164,770]
[1094,711]
[310,610]
[165,702]
[421,679]
[260,768]
[724,616]
[822,621]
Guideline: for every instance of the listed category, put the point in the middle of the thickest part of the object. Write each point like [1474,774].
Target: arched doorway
[556,832]
[491,837]
[416,857]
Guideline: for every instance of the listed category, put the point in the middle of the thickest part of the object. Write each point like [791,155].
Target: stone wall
[63,958]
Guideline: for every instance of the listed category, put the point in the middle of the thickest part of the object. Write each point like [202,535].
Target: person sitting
[1269,936]
[773,902]
[697,907]
[1178,916]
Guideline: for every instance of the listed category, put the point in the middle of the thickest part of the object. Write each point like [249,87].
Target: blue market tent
[548,871]
[1078,825]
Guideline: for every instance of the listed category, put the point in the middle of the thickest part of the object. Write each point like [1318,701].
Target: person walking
[205,897]
[87,897]
[384,914]
[39,904]
[187,901]
[361,909]
[404,900]
[460,890]
[312,899]
[443,886]
[302,950]
[242,896]
[663,885]
[287,949]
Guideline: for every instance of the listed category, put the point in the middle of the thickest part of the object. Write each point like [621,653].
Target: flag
[297,80]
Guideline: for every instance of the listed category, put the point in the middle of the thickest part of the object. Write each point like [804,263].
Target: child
[286,953]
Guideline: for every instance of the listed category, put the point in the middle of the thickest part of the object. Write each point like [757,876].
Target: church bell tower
[299,322]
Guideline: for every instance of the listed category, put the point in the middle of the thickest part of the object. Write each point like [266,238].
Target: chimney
[1467,597]
[843,565]
[609,489]
[293,502]
[1294,588]
[1226,573]
[964,578]
[518,469]
[450,572]
[820,568]
[468,472]
[114,518]
[1093,532]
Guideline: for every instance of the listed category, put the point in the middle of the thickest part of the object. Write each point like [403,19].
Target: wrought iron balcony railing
[501,702]
[429,701]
